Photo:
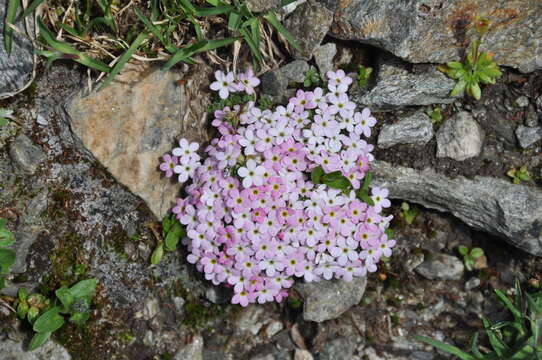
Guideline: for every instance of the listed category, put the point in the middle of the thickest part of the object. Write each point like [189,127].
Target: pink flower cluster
[254,219]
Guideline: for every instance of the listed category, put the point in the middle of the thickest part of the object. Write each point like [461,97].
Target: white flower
[224,84]
[248,141]
[186,151]
[251,174]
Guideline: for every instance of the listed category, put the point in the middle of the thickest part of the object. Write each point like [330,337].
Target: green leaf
[200,46]
[459,88]
[155,31]
[445,347]
[455,65]
[6,236]
[271,17]
[476,91]
[10,19]
[7,258]
[30,9]
[49,321]
[463,250]
[506,301]
[367,181]
[336,180]
[234,21]
[124,59]
[22,310]
[498,345]
[38,340]
[316,175]
[363,196]
[84,288]
[474,346]
[171,241]
[157,255]
[22,294]
[476,253]
[79,318]
[214,11]
[65,296]
[254,48]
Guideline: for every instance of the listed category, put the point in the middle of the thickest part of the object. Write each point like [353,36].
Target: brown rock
[131,123]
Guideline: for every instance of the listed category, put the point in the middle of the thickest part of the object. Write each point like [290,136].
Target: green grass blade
[124,59]
[156,32]
[445,347]
[254,49]
[506,302]
[234,21]
[200,46]
[72,31]
[498,345]
[474,347]
[271,17]
[10,19]
[188,5]
[214,11]
[30,9]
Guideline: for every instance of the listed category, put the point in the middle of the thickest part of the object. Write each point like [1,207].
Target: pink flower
[379,197]
[364,122]
[168,164]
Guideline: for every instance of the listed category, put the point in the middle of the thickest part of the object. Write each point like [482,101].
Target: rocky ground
[80,189]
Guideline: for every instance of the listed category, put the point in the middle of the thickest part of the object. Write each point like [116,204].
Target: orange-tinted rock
[131,123]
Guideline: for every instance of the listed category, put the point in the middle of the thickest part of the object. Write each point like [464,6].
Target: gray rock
[12,350]
[521,101]
[415,129]
[261,5]
[295,71]
[397,87]
[422,355]
[341,348]
[531,116]
[512,212]
[25,154]
[192,351]
[301,354]
[422,31]
[218,294]
[216,355]
[274,83]
[472,283]
[527,136]
[460,137]
[309,33]
[147,112]
[16,68]
[441,267]
[324,57]
[273,328]
[328,299]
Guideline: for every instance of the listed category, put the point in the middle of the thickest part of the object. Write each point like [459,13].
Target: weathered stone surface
[128,125]
[261,5]
[192,351]
[328,299]
[295,71]
[527,136]
[25,154]
[309,24]
[338,349]
[422,31]
[397,87]
[414,129]
[16,68]
[460,137]
[441,267]
[301,354]
[12,350]
[512,212]
[324,57]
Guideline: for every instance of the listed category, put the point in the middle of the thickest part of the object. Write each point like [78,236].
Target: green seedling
[7,256]
[364,73]
[312,78]
[172,233]
[519,339]
[435,115]
[477,68]
[519,175]
[470,256]
[5,115]
[408,213]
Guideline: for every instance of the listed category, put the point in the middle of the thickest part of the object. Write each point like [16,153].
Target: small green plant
[435,115]
[519,175]
[364,73]
[470,256]
[172,233]
[520,339]
[48,315]
[7,256]
[5,115]
[265,103]
[478,67]
[312,78]
[408,213]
